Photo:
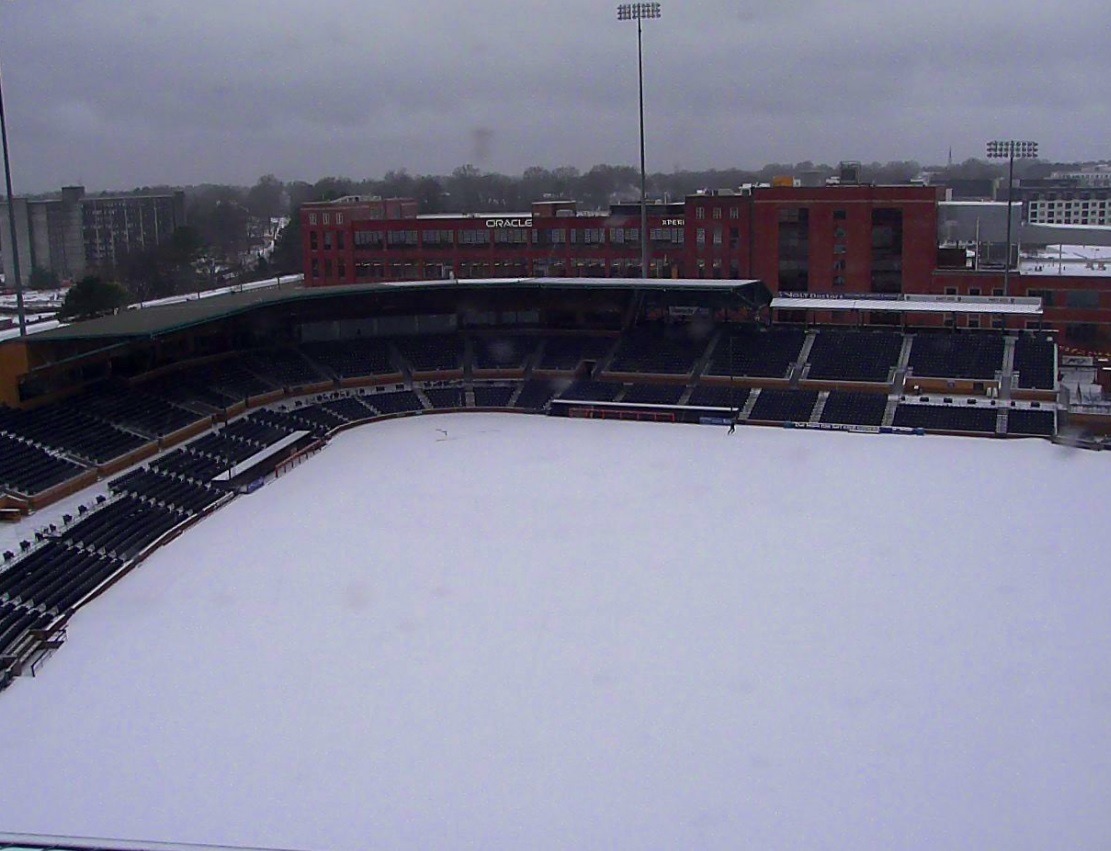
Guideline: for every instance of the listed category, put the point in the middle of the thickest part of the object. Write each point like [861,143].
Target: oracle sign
[509,223]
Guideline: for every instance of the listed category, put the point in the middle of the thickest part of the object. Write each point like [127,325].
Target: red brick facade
[828,239]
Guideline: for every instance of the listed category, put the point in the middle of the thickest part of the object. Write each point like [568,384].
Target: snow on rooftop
[280,281]
[540,633]
[1067,260]
[32,328]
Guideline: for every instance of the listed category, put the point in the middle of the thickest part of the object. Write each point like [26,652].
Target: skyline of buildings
[74,233]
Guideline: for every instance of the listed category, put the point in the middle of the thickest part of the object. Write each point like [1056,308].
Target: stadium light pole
[1010,149]
[639,12]
[11,215]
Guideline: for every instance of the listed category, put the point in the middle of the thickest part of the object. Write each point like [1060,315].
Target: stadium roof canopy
[1012,306]
[154,321]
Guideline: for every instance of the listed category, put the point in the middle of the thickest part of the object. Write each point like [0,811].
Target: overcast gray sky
[117,94]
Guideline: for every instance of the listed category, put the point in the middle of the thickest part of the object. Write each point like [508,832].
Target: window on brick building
[839,215]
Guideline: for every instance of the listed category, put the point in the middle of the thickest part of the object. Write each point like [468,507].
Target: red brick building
[822,239]
[826,239]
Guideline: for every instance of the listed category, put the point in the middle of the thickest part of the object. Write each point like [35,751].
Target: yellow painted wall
[13,365]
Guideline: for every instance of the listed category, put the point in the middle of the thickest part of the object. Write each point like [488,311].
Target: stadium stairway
[819,407]
[700,364]
[516,394]
[468,366]
[799,366]
[420,394]
[604,364]
[889,411]
[1008,355]
[750,403]
[904,354]
[402,365]
[1001,421]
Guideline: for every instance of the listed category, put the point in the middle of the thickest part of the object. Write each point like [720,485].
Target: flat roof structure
[1011,306]
[167,318]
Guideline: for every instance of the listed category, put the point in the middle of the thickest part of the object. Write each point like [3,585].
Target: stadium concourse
[175,409]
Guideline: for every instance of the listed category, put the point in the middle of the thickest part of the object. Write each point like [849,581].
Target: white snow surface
[544,633]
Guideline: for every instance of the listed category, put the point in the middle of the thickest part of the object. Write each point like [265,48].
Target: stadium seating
[350,408]
[432,352]
[227,450]
[135,410]
[1027,421]
[854,356]
[978,419]
[566,354]
[314,418]
[756,352]
[586,390]
[1034,362]
[502,352]
[15,622]
[960,356]
[66,429]
[121,528]
[162,488]
[658,349]
[719,396]
[489,396]
[777,405]
[445,397]
[352,358]
[283,368]
[535,395]
[397,402]
[30,470]
[211,385]
[861,409]
[55,576]
[654,394]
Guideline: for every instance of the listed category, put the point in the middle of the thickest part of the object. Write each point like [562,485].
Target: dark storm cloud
[120,94]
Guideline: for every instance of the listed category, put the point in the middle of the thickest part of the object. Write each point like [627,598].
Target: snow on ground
[541,633]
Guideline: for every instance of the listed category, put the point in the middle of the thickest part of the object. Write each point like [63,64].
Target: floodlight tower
[639,12]
[11,215]
[1009,150]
